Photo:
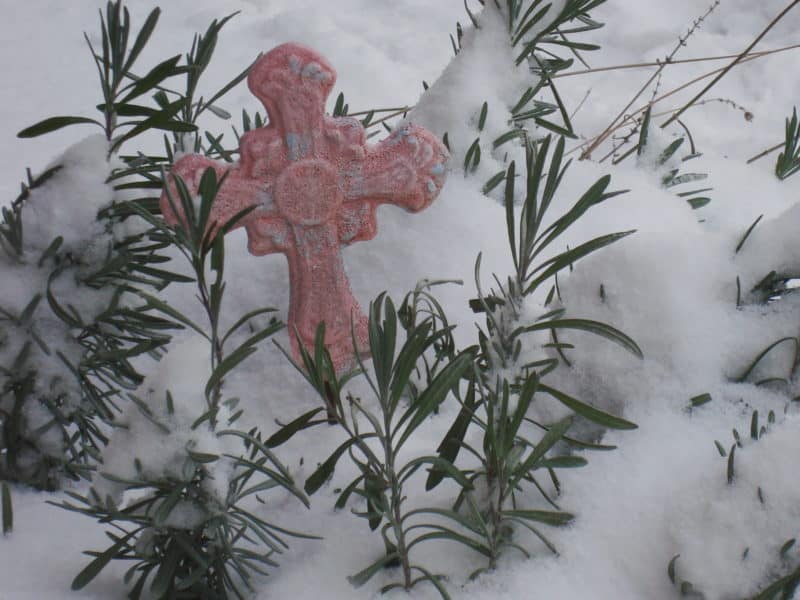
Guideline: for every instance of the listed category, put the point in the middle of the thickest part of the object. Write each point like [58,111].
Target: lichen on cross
[316,186]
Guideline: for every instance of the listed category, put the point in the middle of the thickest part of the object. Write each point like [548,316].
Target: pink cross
[316,185]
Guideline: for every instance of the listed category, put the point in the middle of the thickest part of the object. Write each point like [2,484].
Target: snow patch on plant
[153,439]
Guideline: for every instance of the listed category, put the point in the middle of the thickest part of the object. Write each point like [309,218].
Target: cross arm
[407,169]
[235,194]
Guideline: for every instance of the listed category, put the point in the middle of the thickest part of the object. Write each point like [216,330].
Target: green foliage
[216,551]
[503,387]
[506,460]
[121,89]
[73,365]
[788,162]
[794,344]
[536,30]
[494,389]
[97,365]
[671,176]
[538,35]
[6,508]
[376,437]
[217,554]
[527,235]
[201,240]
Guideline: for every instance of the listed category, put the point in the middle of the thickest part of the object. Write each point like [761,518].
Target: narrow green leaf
[597,328]
[589,412]
[671,568]
[154,77]
[451,444]
[325,470]
[747,233]
[7,508]
[364,576]
[286,432]
[99,563]
[701,399]
[547,517]
[53,124]
[438,464]
[142,38]
[433,395]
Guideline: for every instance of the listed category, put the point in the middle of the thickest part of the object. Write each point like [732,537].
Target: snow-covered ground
[671,286]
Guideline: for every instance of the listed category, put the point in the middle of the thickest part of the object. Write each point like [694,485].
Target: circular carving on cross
[316,186]
[307,192]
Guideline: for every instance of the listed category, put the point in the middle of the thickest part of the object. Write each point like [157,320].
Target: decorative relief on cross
[316,186]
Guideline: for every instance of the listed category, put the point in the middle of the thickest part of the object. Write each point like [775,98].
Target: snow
[160,450]
[671,286]
[65,207]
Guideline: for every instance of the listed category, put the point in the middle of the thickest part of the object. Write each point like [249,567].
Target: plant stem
[396,515]
[681,43]
[769,150]
[659,63]
[738,59]
[595,141]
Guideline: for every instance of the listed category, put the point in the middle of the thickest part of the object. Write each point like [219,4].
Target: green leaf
[720,449]
[764,353]
[364,576]
[589,412]
[99,563]
[547,517]
[482,117]
[644,131]
[163,307]
[701,399]
[325,470]
[232,360]
[566,259]
[53,124]
[508,136]
[557,129]
[508,198]
[669,151]
[698,202]
[153,78]
[731,474]
[142,38]
[563,462]
[447,534]
[671,568]
[747,233]
[451,444]
[433,396]
[494,181]
[7,508]
[531,462]
[595,327]
[286,432]
[165,575]
[438,464]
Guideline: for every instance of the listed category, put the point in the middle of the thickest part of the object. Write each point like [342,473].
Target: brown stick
[732,64]
[659,63]
[630,117]
[681,42]
[766,152]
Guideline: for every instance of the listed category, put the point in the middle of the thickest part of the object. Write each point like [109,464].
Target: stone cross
[316,186]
